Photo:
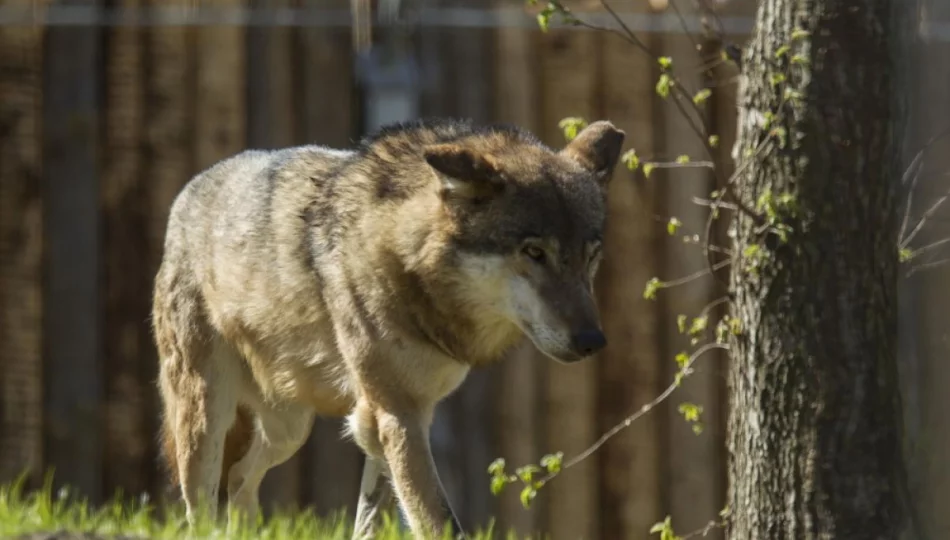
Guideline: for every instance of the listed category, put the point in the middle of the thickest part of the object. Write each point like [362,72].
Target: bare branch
[920,251]
[713,524]
[696,275]
[686,165]
[640,412]
[927,266]
[914,168]
[631,37]
[714,204]
[923,219]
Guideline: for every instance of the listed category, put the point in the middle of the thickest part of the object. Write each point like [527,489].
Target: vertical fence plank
[438,97]
[168,160]
[569,82]
[694,461]
[332,466]
[73,386]
[21,251]
[220,126]
[470,68]
[127,347]
[271,124]
[516,414]
[631,371]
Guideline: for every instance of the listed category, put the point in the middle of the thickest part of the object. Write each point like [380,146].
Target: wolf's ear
[465,173]
[597,149]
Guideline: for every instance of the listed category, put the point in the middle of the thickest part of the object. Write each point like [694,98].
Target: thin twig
[711,203]
[635,416]
[713,524]
[923,219]
[679,15]
[632,37]
[915,166]
[927,266]
[921,250]
[728,188]
[696,275]
[713,304]
[686,165]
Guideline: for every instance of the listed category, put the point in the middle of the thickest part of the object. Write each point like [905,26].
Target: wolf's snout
[588,342]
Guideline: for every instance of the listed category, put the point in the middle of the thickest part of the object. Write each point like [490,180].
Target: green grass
[42,511]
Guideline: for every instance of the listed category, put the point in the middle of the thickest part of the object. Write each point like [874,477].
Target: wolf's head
[527,226]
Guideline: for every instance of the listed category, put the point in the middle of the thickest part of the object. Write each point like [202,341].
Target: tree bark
[815,429]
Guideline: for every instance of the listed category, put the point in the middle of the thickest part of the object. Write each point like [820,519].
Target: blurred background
[108,107]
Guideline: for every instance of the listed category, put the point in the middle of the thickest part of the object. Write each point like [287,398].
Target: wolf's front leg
[401,440]
[405,443]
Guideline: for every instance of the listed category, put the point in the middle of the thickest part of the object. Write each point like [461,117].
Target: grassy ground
[43,515]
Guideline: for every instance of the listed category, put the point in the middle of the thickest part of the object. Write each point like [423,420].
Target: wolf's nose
[587,342]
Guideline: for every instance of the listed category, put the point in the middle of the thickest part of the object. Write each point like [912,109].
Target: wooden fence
[101,125]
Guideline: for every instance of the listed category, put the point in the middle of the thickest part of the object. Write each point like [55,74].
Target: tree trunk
[815,432]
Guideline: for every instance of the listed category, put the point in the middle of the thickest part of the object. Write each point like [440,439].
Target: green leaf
[673,225]
[735,326]
[751,251]
[699,325]
[648,168]
[571,126]
[527,495]
[631,159]
[702,96]
[682,158]
[781,134]
[665,62]
[544,18]
[649,292]
[714,141]
[681,323]
[782,51]
[682,360]
[497,467]
[498,484]
[690,411]
[697,428]
[527,472]
[905,254]
[799,60]
[552,462]
[663,85]
[800,33]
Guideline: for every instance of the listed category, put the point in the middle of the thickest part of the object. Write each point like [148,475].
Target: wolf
[365,284]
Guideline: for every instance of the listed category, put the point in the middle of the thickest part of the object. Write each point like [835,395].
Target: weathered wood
[271,123]
[475,438]
[516,415]
[814,383]
[437,97]
[128,352]
[569,78]
[220,101]
[168,158]
[71,324]
[631,367]
[926,295]
[21,252]
[330,465]
[694,489]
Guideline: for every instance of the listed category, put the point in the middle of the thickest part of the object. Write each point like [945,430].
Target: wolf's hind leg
[204,391]
[279,433]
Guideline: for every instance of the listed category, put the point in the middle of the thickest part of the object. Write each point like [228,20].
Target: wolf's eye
[534,252]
